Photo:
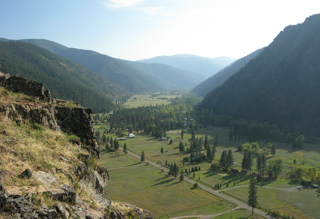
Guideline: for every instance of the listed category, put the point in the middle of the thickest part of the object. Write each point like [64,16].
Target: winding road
[240,204]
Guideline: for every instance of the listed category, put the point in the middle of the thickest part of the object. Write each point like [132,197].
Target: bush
[37,126]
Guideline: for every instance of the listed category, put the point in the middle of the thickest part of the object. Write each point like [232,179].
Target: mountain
[205,67]
[65,79]
[132,76]
[280,86]
[219,78]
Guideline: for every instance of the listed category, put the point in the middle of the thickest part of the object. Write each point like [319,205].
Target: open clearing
[151,189]
[149,100]
[300,204]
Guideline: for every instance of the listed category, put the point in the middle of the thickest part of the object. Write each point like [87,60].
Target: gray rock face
[45,178]
[16,205]
[75,120]
[22,85]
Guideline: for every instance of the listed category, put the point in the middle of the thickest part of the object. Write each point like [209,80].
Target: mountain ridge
[203,66]
[280,86]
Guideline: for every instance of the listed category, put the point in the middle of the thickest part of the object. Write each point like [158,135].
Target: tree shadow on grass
[209,173]
[163,182]
[165,177]
[235,178]
[133,164]
[173,184]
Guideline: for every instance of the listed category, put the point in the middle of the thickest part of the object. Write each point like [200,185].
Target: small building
[131,135]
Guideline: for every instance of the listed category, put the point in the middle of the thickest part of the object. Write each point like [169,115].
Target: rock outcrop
[43,110]
[74,186]
[22,85]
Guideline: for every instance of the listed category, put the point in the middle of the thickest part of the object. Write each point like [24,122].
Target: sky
[141,29]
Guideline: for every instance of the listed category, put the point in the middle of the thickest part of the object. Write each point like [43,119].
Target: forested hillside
[219,78]
[280,86]
[66,80]
[134,77]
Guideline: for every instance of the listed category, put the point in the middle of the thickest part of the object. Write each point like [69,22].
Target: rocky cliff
[48,167]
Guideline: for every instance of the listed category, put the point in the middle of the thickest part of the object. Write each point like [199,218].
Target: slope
[219,78]
[133,76]
[168,77]
[66,80]
[280,86]
[205,67]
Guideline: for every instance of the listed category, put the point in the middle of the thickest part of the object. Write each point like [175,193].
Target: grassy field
[149,100]
[151,189]
[290,203]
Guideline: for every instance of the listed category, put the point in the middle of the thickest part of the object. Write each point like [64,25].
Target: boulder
[45,178]
[26,174]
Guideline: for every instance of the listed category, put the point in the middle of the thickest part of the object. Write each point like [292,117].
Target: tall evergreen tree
[182,132]
[223,161]
[273,150]
[125,149]
[142,158]
[263,164]
[181,176]
[216,141]
[206,143]
[181,147]
[253,198]
[230,159]
[161,150]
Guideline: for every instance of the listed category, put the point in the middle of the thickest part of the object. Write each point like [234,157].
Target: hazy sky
[139,29]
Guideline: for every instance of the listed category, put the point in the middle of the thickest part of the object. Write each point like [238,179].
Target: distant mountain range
[219,78]
[280,86]
[132,76]
[204,67]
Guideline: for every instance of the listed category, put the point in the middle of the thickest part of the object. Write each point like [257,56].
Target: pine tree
[125,150]
[182,134]
[181,176]
[259,163]
[263,164]
[230,159]
[161,150]
[253,202]
[216,141]
[223,160]
[175,170]
[206,143]
[273,150]
[142,156]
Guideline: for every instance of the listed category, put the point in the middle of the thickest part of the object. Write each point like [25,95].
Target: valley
[84,135]
[137,181]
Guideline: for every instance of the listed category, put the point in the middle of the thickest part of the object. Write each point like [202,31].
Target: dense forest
[280,86]
[64,79]
[219,78]
[132,77]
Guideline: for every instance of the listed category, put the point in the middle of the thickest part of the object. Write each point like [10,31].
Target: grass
[151,189]
[238,213]
[285,202]
[277,200]
[147,100]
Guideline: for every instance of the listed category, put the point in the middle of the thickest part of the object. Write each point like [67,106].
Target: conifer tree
[125,149]
[142,156]
[182,132]
[253,202]
[181,176]
[273,150]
